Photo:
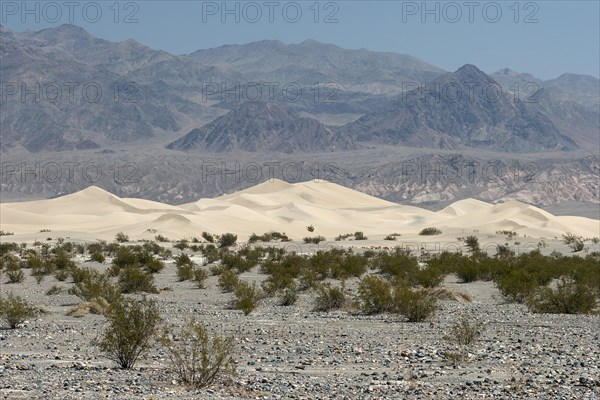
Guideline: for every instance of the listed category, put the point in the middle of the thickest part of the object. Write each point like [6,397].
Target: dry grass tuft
[87,307]
[442,293]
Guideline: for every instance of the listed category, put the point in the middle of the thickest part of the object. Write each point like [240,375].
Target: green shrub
[468,271]
[464,332]
[360,236]
[14,273]
[415,305]
[428,277]
[314,239]
[288,297]
[570,238]
[329,298]
[227,240]
[200,277]
[352,265]
[267,237]
[517,285]
[568,298]
[133,279]
[228,281]
[246,297]
[91,285]
[154,266]
[161,238]
[390,237]
[132,324]
[400,264]
[375,295]
[472,243]
[342,237]
[121,237]
[98,257]
[185,272]
[277,282]
[14,310]
[208,237]
[310,228]
[430,231]
[181,244]
[196,359]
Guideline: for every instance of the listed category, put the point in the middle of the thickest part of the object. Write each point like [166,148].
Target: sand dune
[276,205]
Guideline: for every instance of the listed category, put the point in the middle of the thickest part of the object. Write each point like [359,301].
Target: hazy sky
[545,38]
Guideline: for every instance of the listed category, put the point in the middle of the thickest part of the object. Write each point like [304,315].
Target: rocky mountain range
[68,96]
[466,108]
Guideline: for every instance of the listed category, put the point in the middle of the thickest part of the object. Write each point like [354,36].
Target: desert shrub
[314,239]
[468,271]
[308,279]
[415,305]
[181,244]
[91,285]
[98,257]
[374,295]
[121,237]
[342,237]
[246,297]
[208,237]
[517,285]
[472,243]
[200,277]
[390,237]
[153,247]
[504,252]
[277,282]
[15,273]
[464,332]
[238,262]
[429,231]
[310,228]
[7,247]
[154,266]
[290,264]
[400,264]
[267,237]
[508,233]
[133,279]
[132,324]
[14,310]
[428,277]
[288,297]
[161,238]
[577,246]
[569,297]
[227,240]
[5,233]
[360,236]
[329,298]
[351,265]
[185,272]
[228,280]
[570,238]
[197,359]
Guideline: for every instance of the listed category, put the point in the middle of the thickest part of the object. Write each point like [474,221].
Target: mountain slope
[466,108]
[260,126]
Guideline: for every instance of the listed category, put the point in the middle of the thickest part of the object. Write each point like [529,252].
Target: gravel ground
[293,353]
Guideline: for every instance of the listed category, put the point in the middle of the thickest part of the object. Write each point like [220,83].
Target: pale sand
[275,205]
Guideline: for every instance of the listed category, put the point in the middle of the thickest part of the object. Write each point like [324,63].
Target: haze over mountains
[369,113]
